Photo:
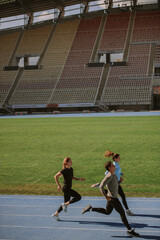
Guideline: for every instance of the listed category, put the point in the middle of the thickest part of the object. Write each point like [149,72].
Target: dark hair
[116,155]
[107,165]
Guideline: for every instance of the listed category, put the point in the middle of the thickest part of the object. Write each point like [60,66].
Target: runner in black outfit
[67,173]
[112,198]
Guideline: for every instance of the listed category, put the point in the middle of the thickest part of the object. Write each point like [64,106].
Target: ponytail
[111,154]
[108,154]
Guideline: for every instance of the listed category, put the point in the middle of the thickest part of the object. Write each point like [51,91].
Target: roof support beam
[26,9]
[58,4]
[61,14]
[28,12]
[86,8]
[134,3]
[110,4]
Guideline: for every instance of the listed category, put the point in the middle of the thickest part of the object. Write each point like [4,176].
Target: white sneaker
[56,217]
[129,213]
[64,207]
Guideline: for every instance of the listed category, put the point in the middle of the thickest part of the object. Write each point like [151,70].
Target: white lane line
[76,207]
[71,217]
[83,198]
[32,206]
[69,228]
[85,218]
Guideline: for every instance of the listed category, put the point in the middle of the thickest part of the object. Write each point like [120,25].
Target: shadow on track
[113,224]
[141,236]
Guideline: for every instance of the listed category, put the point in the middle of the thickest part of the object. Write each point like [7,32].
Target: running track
[101,114]
[29,218]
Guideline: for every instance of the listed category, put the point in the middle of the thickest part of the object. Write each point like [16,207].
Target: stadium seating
[147,27]
[33,41]
[115,32]
[157,54]
[36,86]
[7,43]
[79,83]
[63,76]
[130,84]
[6,80]
[136,86]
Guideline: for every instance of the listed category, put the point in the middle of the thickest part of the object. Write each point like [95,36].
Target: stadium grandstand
[70,55]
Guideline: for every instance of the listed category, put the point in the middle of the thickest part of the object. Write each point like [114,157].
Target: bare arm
[104,182]
[78,179]
[56,177]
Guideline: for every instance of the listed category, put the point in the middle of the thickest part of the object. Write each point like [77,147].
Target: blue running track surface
[101,114]
[29,218]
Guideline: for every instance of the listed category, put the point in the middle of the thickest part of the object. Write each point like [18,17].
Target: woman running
[67,173]
[111,182]
[119,174]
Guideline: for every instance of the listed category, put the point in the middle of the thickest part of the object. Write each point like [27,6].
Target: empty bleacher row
[115,32]
[6,81]
[36,86]
[135,84]
[33,41]
[79,83]
[137,87]
[7,43]
[147,27]
[63,76]
[157,54]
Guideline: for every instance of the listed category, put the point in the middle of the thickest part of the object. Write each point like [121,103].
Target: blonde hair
[108,154]
[111,154]
[65,162]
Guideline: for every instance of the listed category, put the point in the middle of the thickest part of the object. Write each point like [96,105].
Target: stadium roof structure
[9,8]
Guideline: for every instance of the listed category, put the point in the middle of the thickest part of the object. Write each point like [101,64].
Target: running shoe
[129,213]
[87,209]
[132,233]
[56,217]
[64,207]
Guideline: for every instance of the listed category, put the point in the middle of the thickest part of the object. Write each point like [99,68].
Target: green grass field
[32,151]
